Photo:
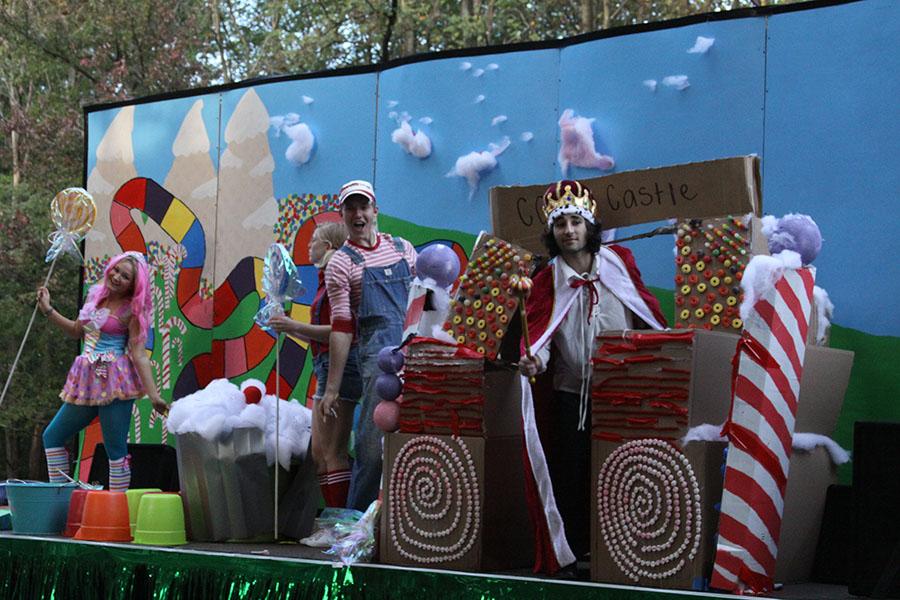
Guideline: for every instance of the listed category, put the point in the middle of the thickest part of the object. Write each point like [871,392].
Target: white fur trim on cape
[564,554]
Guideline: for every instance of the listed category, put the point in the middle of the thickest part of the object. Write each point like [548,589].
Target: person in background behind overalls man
[368,281]
[330,431]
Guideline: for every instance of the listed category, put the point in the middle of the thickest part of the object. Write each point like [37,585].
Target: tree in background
[33,395]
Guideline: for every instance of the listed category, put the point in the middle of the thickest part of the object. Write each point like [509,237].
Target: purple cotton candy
[387,386]
[438,262]
[390,361]
[798,233]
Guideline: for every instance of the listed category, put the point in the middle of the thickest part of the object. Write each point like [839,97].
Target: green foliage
[32,398]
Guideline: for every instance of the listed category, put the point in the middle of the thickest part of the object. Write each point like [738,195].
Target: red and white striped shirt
[343,278]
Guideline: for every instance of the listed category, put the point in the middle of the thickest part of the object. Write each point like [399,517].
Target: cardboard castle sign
[715,188]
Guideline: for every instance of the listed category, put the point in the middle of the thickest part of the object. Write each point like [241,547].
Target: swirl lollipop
[73,212]
[521,285]
[280,282]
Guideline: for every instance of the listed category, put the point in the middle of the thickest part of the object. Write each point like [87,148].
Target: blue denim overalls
[382,311]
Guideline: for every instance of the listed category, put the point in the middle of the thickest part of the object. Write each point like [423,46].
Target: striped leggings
[115,422]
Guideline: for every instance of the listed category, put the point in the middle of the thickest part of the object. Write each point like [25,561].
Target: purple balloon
[798,233]
[440,263]
[388,386]
[390,361]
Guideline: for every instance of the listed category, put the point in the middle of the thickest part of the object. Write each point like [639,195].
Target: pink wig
[141,302]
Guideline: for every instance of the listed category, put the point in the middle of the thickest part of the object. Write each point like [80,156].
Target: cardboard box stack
[454,490]
[653,520]
[443,389]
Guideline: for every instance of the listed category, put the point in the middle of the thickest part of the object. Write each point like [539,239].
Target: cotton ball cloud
[474,164]
[650,84]
[824,312]
[498,119]
[679,82]
[302,139]
[702,45]
[416,143]
[761,275]
[577,144]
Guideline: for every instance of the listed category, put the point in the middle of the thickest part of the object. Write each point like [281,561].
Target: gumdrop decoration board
[484,305]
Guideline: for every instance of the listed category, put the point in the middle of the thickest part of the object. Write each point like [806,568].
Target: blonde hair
[335,234]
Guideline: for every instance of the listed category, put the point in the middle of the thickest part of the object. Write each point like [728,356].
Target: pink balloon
[386,415]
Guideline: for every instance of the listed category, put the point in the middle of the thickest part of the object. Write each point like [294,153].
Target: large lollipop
[73,212]
[521,285]
[280,282]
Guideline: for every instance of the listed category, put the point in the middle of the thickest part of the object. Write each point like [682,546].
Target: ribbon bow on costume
[93,316]
[592,289]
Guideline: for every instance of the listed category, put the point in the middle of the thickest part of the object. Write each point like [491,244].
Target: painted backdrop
[204,181]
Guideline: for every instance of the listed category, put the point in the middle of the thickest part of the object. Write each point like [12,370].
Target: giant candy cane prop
[766,385]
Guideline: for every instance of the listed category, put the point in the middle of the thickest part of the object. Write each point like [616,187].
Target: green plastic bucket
[37,507]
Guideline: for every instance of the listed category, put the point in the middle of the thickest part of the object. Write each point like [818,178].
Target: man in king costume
[585,289]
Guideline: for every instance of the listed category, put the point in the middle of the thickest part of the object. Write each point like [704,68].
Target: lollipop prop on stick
[281,282]
[521,285]
[73,212]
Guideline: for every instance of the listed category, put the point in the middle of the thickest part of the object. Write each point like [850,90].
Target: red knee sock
[335,485]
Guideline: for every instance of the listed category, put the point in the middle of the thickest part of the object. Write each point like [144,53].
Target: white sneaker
[321,538]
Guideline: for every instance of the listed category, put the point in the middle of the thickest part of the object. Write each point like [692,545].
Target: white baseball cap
[357,187]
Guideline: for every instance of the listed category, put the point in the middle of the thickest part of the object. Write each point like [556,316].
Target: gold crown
[569,194]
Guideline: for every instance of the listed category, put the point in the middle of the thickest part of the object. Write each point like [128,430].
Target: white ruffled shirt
[575,337]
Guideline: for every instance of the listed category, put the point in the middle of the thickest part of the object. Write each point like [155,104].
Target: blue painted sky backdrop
[814,92]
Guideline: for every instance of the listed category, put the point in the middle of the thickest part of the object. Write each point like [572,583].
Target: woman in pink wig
[112,369]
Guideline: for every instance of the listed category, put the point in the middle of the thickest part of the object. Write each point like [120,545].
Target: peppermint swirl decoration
[648,502]
[434,506]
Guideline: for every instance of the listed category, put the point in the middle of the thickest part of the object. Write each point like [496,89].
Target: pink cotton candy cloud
[577,144]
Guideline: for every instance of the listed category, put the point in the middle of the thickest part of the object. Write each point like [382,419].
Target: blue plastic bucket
[37,507]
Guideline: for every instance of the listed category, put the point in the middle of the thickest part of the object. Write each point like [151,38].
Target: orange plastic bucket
[105,517]
[76,509]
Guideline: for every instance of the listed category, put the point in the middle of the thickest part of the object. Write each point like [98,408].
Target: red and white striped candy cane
[136,418]
[165,332]
[154,417]
[766,385]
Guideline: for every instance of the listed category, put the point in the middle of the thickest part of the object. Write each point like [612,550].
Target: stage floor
[240,570]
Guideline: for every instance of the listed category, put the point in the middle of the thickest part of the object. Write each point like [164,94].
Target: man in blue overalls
[368,281]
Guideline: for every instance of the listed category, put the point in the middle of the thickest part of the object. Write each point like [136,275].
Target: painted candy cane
[136,418]
[154,417]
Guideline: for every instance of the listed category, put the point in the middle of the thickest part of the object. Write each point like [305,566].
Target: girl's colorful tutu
[103,372]
[87,385]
